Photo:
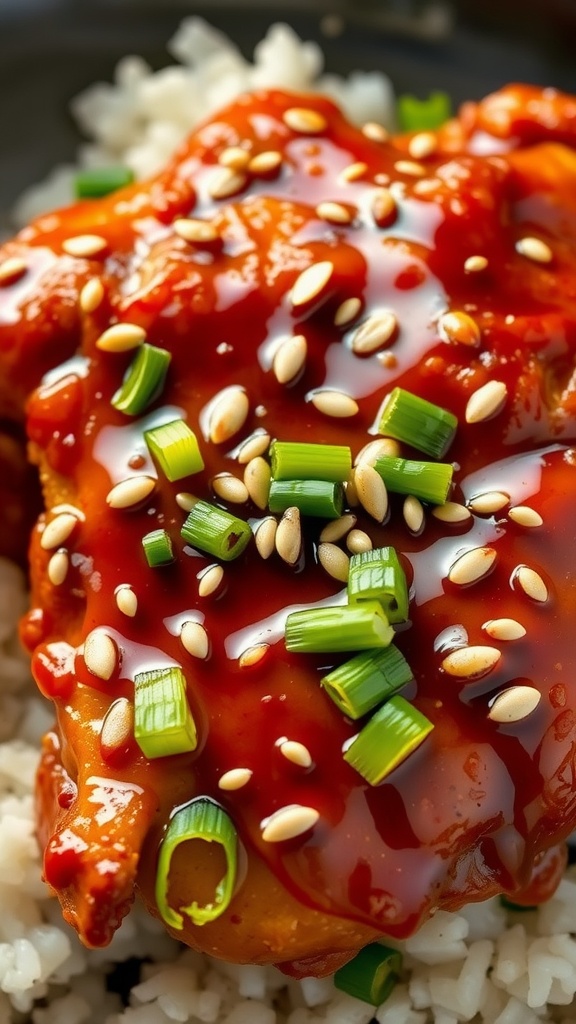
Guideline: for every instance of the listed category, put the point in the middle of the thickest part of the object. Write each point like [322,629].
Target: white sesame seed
[371,491]
[358,541]
[85,246]
[311,283]
[67,507]
[210,580]
[257,481]
[288,822]
[57,532]
[226,182]
[335,561]
[410,168]
[514,704]
[130,492]
[288,539]
[230,488]
[472,566]
[253,655]
[337,528]
[126,600]
[186,501]
[100,654]
[58,567]
[525,516]
[334,213]
[264,164]
[475,264]
[290,358]
[121,338]
[451,512]
[194,639]
[489,502]
[353,172]
[117,727]
[413,512]
[296,752]
[11,270]
[486,402]
[265,536]
[471,662]
[253,446]
[375,450]
[376,132]
[459,328]
[91,295]
[378,330]
[347,312]
[234,779]
[229,414]
[193,230]
[235,157]
[531,583]
[334,403]
[534,249]
[422,145]
[383,207]
[504,629]
[304,120]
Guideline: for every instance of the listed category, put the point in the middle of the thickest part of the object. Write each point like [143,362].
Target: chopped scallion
[393,732]
[215,531]
[158,548]
[175,447]
[371,975]
[419,423]
[163,722]
[367,680]
[430,481]
[294,460]
[313,497]
[415,115]
[377,575]
[95,182]
[205,820]
[143,380]
[346,628]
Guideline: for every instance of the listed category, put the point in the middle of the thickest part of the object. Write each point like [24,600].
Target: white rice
[482,965]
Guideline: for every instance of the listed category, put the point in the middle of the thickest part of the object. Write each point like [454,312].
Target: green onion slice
[367,680]
[158,548]
[215,531]
[371,975]
[203,819]
[175,448]
[419,423]
[313,497]
[347,628]
[163,722]
[294,460]
[95,182]
[430,481]
[393,732]
[143,380]
[415,115]
[378,576]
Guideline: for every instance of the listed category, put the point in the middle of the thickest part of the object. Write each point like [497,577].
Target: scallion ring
[393,732]
[158,548]
[174,446]
[429,481]
[95,182]
[163,722]
[345,628]
[417,422]
[360,684]
[296,460]
[143,380]
[371,975]
[377,575]
[215,531]
[321,498]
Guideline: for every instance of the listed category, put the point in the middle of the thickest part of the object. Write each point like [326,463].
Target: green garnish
[294,460]
[143,380]
[313,497]
[202,819]
[367,680]
[417,422]
[163,722]
[346,628]
[430,481]
[96,182]
[371,975]
[377,575]
[215,531]
[175,448]
[158,548]
[415,115]
[393,732]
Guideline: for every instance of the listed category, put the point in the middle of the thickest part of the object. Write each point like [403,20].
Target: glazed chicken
[275,285]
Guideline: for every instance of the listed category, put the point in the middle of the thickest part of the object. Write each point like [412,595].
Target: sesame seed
[288,538]
[413,512]
[304,120]
[229,414]
[410,167]
[531,583]
[290,358]
[471,662]
[67,507]
[504,629]
[58,567]
[358,541]
[376,132]
[534,249]
[253,446]
[121,338]
[265,536]
[334,213]
[11,270]
[57,532]
[288,822]
[257,481]
[235,157]
[130,492]
[472,566]
[459,328]
[371,491]
[377,331]
[253,655]
[265,164]
[525,516]
[347,312]
[230,488]
[337,528]
[117,727]
[383,207]
[486,402]
[451,512]
[234,779]
[475,264]
[514,704]
[375,450]
[489,502]
[296,752]
[334,403]
[210,580]
[194,639]
[353,172]
[422,145]
[91,295]
[335,561]
[192,229]
[226,182]
[100,654]
[311,283]
[185,501]
[84,245]
[126,600]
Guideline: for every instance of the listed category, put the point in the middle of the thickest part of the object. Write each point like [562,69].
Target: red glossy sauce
[467,814]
